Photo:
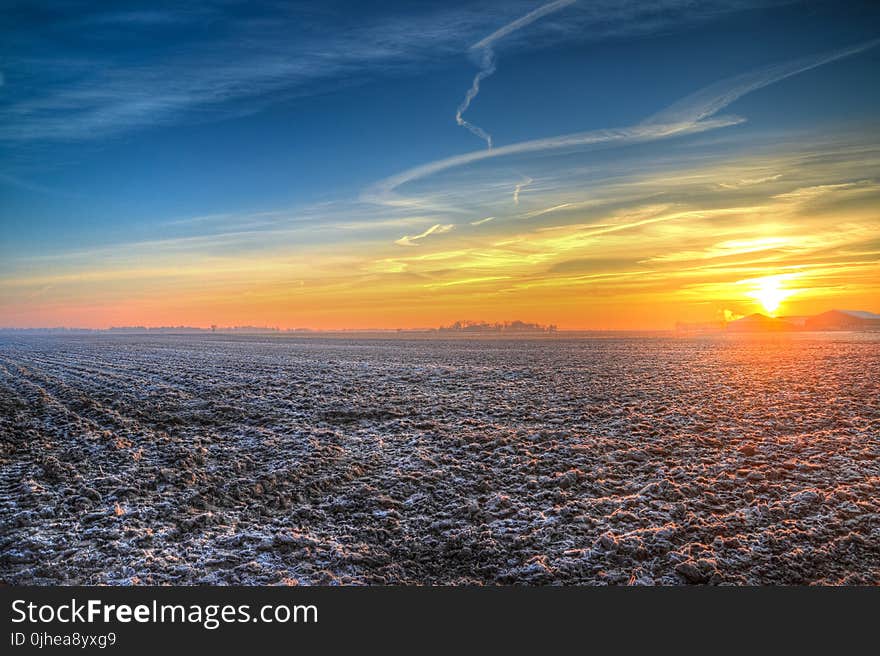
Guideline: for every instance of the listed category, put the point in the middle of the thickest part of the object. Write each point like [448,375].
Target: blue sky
[243,128]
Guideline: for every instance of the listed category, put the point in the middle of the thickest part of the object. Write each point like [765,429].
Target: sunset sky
[318,164]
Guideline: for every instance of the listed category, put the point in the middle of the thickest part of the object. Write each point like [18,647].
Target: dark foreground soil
[267,460]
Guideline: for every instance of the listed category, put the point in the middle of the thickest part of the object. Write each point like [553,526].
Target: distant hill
[830,320]
[844,320]
[760,323]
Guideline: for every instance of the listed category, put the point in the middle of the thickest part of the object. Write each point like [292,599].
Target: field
[226,459]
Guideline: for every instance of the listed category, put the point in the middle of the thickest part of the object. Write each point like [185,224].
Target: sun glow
[769,292]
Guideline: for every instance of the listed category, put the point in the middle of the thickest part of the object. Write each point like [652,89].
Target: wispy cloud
[436,229]
[467,281]
[748,182]
[521,22]
[247,60]
[690,115]
[15,181]
[519,187]
[487,67]
[642,255]
[712,99]
[171,69]
[382,191]
[487,61]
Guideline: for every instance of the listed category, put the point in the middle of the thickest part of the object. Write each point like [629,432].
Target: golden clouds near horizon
[788,234]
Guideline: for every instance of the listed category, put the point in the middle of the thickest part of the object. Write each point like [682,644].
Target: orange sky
[688,243]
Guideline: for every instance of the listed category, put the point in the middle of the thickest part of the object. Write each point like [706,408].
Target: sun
[770,293]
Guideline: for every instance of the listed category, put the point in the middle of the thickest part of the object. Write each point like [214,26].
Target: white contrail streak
[522,185]
[690,115]
[620,136]
[521,22]
[486,69]
[437,228]
[715,97]
[487,62]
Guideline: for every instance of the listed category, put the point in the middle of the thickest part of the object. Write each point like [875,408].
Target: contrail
[437,228]
[519,187]
[487,62]
[487,68]
[631,134]
[715,97]
[691,115]
[521,22]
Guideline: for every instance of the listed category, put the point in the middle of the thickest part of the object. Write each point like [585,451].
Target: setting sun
[769,292]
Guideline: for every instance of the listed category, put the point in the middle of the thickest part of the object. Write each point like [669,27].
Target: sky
[595,165]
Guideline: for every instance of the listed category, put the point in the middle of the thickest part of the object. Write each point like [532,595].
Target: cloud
[619,136]
[734,247]
[482,221]
[487,67]
[690,115]
[436,229]
[248,59]
[813,192]
[748,182]
[521,22]
[15,181]
[712,237]
[85,88]
[692,247]
[519,187]
[487,61]
[712,99]
[467,281]
[593,265]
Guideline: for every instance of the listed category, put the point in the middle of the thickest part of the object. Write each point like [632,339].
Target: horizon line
[547,329]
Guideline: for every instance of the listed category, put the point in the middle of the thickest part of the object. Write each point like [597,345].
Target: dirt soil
[304,460]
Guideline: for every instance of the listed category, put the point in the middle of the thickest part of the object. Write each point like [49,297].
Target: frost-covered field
[262,460]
